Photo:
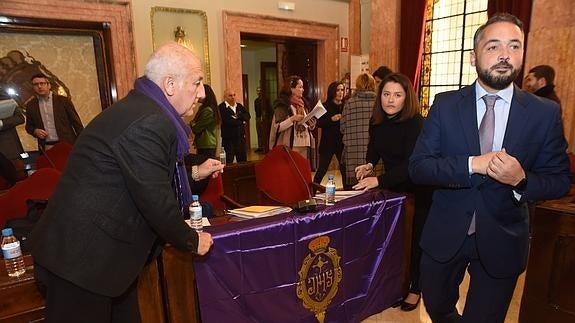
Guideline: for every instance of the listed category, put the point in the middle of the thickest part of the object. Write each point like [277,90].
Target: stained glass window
[449,29]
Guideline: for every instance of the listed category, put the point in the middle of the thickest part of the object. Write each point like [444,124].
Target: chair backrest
[213,193]
[283,178]
[39,185]
[56,157]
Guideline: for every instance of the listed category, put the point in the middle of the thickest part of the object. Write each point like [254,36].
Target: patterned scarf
[181,185]
[298,103]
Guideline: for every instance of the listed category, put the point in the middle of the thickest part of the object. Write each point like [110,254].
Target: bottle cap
[7,232]
[195,198]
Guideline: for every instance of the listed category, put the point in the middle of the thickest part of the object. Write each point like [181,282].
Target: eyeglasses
[40,84]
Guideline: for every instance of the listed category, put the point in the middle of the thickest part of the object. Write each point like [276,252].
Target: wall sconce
[287,6]
[343,44]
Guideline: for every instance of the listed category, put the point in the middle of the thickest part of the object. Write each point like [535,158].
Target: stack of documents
[339,195]
[258,211]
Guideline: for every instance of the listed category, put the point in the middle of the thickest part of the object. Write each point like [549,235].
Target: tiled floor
[395,315]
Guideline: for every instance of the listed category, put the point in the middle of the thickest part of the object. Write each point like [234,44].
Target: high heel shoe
[408,307]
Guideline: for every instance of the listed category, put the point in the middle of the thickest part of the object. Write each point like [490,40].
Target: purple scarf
[182,187]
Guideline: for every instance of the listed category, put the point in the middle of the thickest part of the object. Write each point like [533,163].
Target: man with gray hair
[123,194]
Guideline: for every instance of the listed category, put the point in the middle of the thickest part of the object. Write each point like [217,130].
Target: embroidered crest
[319,277]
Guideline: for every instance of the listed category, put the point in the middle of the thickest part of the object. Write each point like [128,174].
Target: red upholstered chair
[284,180]
[56,157]
[39,185]
[214,194]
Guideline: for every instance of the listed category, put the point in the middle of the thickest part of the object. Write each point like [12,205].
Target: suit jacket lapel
[517,119]
[468,116]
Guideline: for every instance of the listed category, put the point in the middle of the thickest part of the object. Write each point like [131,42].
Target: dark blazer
[233,128]
[115,201]
[331,137]
[10,144]
[66,119]
[534,135]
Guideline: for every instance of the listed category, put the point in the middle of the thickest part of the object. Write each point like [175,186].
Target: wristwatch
[522,185]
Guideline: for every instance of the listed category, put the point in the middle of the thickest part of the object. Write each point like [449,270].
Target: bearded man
[489,148]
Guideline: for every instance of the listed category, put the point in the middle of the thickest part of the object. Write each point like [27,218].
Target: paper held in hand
[7,108]
[316,112]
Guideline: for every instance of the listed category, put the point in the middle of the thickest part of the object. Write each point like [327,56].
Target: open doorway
[268,61]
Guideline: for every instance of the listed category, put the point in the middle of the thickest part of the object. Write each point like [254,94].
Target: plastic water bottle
[196,215]
[12,254]
[330,190]
[223,156]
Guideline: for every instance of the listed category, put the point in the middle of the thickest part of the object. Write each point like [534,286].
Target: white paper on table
[316,112]
[205,222]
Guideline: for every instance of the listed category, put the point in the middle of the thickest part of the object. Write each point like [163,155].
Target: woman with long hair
[394,127]
[331,138]
[206,123]
[289,109]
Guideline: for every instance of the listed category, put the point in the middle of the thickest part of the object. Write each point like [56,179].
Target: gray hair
[498,17]
[170,59]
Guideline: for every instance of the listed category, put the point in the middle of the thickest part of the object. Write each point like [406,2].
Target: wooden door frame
[326,36]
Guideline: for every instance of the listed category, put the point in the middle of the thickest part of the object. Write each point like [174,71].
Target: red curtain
[519,8]
[411,42]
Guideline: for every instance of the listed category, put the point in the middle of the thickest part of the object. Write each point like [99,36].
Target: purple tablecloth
[346,260]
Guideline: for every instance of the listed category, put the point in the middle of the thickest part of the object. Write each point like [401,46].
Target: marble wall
[551,41]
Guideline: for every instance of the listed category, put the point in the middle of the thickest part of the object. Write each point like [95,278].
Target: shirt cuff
[469,162]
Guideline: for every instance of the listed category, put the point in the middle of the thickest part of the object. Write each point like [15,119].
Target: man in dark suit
[122,195]
[50,117]
[234,118]
[486,169]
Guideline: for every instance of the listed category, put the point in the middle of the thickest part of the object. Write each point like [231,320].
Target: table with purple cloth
[341,263]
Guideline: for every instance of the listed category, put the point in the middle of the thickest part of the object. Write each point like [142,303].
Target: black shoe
[408,307]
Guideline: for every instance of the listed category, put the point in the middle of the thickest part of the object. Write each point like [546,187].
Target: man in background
[234,118]
[540,81]
[123,195]
[261,106]
[50,117]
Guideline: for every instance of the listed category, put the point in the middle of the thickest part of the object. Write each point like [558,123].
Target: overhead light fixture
[287,6]
[243,45]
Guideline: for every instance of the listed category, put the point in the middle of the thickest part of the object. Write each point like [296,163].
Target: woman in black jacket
[331,138]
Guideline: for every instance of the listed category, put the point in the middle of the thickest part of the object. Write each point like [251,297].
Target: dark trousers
[324,160]
[488,297]
[235,148]
[66,302]
[423,197]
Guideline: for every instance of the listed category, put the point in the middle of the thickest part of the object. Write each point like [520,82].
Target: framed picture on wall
[185,26]
[75,55]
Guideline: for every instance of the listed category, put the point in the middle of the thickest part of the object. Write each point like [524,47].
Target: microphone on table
[308,204]
[43,151]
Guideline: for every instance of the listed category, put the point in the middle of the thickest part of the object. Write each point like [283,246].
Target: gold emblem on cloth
[319,277]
